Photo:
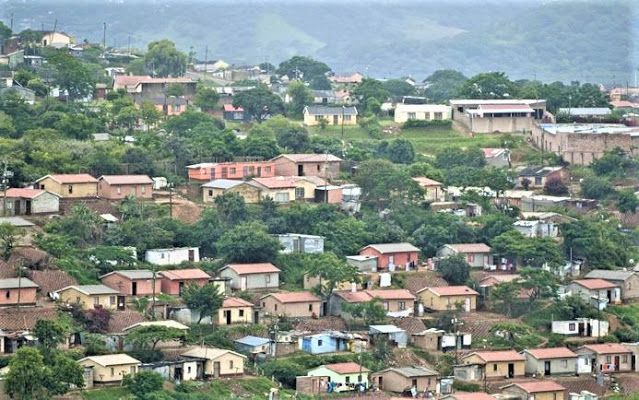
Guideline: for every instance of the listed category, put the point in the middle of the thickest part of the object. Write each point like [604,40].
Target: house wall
[629,287]
[334,119]
[395,382]
[501,161]
[171,256]
[46,203]
[338,378]
[500,124]
[230,364]
[497,369]
[10,296]
[233,170]
[398,259]
[72,296]
[368,265]
[426,342]
[250,194]
[558,395]
[320,344]
[55,38]
[475,260]
[239,315]
[434,302]
[286,167]
[251,281]
[111,373]
[116,192]
[125,285]
[280,196]
[624,363]
[79,190]
[305,309]
[172,287]
[423,112]
[558,366]
[564,327]
[433,193]
[588,294]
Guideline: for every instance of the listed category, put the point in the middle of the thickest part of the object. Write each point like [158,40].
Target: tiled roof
[607,348]
[553,352]
[346,368]
[24,193]
[191,273]
[500,355]
[409,324]
[230,108]
[421,280]
[132,274]
[309,157]
[423,181]
[391,294]
[393,247]
[71,178]
[539,386]
[111,359]
[470,247]
[452,290]
[129,80]
[611,275]
[230,302]
[329,323]
[25,318]
[15,283]
[255,268]
[123,319]
[595,284]
[126,179]
[91,289]
[294,297]
[492,280]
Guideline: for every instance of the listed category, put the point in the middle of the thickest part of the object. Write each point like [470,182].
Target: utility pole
[104,35]
[153,300]
[4,181]
[55,25]
[128,46]
[170,200]
[206,58]
[11,23]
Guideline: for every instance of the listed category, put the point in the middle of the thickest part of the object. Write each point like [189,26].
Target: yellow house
[249,191]
[235,311]
[219,363]
[345,376]
[91,296]
[69,185]
[110,368]
[285,189]
[448,298]
[498,364]
[333,115]
[536,390]
[56,39]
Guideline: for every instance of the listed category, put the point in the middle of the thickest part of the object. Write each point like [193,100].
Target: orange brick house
[292,304]
[323,165]
[136,282]
[175,281]
[391,256]
[230,170]
[17,291]
[115,187]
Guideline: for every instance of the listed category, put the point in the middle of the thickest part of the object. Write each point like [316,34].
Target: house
[422,112]
[354,78]
[628,281]
[583,327]
[26,94]
[237,114]
[351,198]
[285,189]
[403,379]
[176,370]
[29,202]
[116,187]
[132,282]
[250,192]
[446,298]
[175,281]
[325,166]
[18,324]
[363,263]
[439,340]
[69,185]
[299,243]
[326,342]
[147,88]
[251,276]
[342,377]
[91,296]
[234,170]
[598,292]
[55,39]
[110,368]
[495,364]
[537,176]
[219,363]
[497,157]
[536,228]
[338,116]
[17,292]
[432,189]
[585,112]
[393,255]
[550,361]
[254,346]
[605,357]
[500,115]
[235,311]
[388,333]
[328,194]
[172,256]
[535,390]
[539,203]
[324,97]
[292,304]
[477,255]
[396,302]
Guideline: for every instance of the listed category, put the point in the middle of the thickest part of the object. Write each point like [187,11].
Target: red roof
[24,193]
[294,297]
[230,302]
[346,368]
[256,268]
[391,294]
[310,157]
[496,356]
[127,179]
[355,297]
[607,348]
[595,284]
[71,178]
[282,182]
[470,247]
[128,80]
[472,396]
[178,274]
[539,386]
[451,290]
[229,107]
[553,352]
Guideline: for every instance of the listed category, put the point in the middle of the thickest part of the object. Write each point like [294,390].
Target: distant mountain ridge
[561,40]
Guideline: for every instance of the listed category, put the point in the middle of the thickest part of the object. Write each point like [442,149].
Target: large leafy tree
[371,312]
[144,383]
[9,236]
[206,98]
[302,67]
[27,375]
[488,85]
[381,181]
[443,85]
[370,90]
[301,97]
[260,103]
[163,59]
[72,75]
[248,242]
[506,293]
[398,87]
[539,284]
[529,252]
[468,158]
[454,269]
[148,337]
[599,242]
[331,271]
[206,300]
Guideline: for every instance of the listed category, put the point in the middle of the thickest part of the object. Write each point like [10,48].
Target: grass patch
[111,393]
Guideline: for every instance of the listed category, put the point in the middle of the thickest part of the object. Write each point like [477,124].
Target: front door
[121,303]
[256,317]
[27,209]
[180,288]
[227,316]
[16,207]
[380,384]
[259,171]
[134,288]
[511,370]
[300,170]
[546,368]
[216,369]
[617,363]
[191,255]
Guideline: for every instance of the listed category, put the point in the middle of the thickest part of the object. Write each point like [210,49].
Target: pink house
[14,291]
[231,170]
[391,256]
[175,281]
[133,282]
[323,165]
[116,187]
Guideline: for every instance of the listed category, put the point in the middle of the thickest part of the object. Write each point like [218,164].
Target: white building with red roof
[447,298]
[251,276]
[598,292]
[29,201]
[606,357]
[477,255]
[550,361]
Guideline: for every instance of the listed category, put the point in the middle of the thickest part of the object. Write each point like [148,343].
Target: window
[348,380]
[494,367]
[438,116]
[624,359]
[112,371]
[414,383]
[241,312]
[70,189]
[119,189]
[538,180]
[232,170]
[347,117]
[210,193]
[268,278]
[412,115]
[263,304]
[112,300]
[571,327]
[320,342]
[230,364]
[162,256]
[608,359]
[77,299]
[8,294]
[267,170]
[96,301]
[275,307]
[310,307]
[386,305]
[359,378]
[318,118]
[586,361]
[318,167]
[402,305]
[564,363]
[299,193]
[281,197]
[427,115]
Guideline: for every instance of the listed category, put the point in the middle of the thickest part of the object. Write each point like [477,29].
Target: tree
[248,242]
[144,383]
[381,181]
[149,114]
[371,312]
[9,237]
[301,97]
[294,139]
[302,67]
[627,201]
[260,146]
[467,158]
[206,98]
[488,85]
[50,334]
[231,208]
[331,271]
[7,129]
[27,375]
[398,87]
[148,337]
[399,151]
[62,374]
[443,85]
[5,31]
[555,187]
[163,59]
[98,320]
[368,90]
[259,103]
[506,293]
[530,252]
[599,242]
[539,284]
[614,163]
[206,300]
[175,90]
[454,269]
[320,82]
[72,75]
[595,187]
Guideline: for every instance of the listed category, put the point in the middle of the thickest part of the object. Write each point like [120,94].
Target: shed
[389,332]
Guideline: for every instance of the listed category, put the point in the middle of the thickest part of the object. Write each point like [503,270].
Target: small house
[255,346]
[29,202]
[330,342]
[535,390]
[325,166]
[17,292]
[172,256]
[422,112]
[232,170]
[628,281]
[434,339]
[328,194]
[111,368]
[432,189]
[116,187]
[403,379]
[91,296]
[342,377]
[251,276]
[292,304]
[598,292]
[69,185]
[236,114]
[550,361]
[392,256]
[583,327]
[497,157]
[132,282]
[604,357]
[177,370]
[250,192]
[396,302]
[477,255]
[218,363]
[175,281]
[498,115]
[495,364]
[537,176]
[235,311]
[313,115]
[55,39]
[536,228]
[299,243]
[390,333]
[363,263]
[285,189]
[446,298]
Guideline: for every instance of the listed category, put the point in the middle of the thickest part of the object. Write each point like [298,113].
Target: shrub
[435,124]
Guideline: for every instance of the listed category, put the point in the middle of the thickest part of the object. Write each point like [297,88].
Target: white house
[173,256]
[585,327]
[598,292]
[422,112]
[536,228]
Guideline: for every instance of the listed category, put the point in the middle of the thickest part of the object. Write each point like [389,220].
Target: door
[180,288]
[335,120]
[300,170]
[177,373]
[617,363]
[216,369]
[467,305]
[121,303]
[259,171]
[16,207]
[227,316]
[546,368]
[380,383]
[243,283]
[134,288]
[511,370]
[191,255]
[225,172]
[27,210]
[256,317]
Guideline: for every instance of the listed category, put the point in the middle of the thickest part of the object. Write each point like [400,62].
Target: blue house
[326,342]
[254,346]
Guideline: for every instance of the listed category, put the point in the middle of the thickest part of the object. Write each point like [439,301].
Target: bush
[144,383]
[146,356]
[595,187]
[466,386]
[455,270]
[434,124]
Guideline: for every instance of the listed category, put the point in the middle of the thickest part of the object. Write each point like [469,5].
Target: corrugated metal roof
[393,247]
[132,274]
[14,283]
[253,341]
[111,359]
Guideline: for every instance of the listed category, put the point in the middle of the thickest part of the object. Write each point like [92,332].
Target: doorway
[300,170]
[134,288]
[227,316]
[380,383]
[546,368]
[180,288]
[335,120]
[16,207]
[191,255]
[27,207]
[511,370]
[121,303]
[617,363]
[216,369]
[256,317]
